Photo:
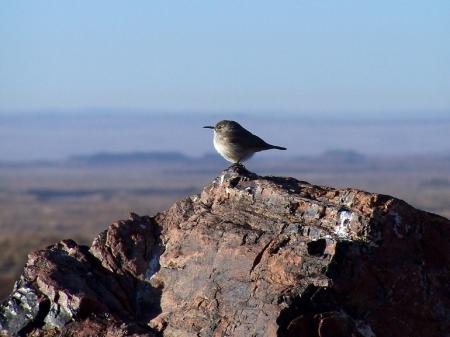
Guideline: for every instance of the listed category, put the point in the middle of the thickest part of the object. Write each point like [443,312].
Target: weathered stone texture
[249,256]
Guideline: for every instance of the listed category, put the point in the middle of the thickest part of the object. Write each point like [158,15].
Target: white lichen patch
[23,298]
[58,315]
[153,267]
[348,198]
[342,228]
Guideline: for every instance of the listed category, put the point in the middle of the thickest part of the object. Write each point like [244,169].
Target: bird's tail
[277,147]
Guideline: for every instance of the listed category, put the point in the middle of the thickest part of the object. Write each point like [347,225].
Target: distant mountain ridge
[56,136]
[126,157]
[339,159]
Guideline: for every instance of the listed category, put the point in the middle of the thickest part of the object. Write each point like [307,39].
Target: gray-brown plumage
[237,144]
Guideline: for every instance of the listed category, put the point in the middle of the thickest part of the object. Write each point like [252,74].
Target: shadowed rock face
[249,256]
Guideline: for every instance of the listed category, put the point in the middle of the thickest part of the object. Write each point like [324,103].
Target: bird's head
[225,126]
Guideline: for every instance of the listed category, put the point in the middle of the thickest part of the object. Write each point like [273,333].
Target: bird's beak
[208,127]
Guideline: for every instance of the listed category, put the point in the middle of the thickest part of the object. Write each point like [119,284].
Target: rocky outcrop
[249,256]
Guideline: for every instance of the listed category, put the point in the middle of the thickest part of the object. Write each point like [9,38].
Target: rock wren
[237,144]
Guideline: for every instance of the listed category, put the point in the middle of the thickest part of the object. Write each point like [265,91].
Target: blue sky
[321,57]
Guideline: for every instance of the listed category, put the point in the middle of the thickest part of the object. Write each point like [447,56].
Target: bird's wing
[245,138]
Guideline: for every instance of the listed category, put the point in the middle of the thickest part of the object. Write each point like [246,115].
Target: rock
[249,256]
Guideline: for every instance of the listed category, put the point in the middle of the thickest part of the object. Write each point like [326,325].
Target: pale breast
[223,149]
[231,152]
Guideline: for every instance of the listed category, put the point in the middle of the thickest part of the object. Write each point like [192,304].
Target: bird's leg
[238,165]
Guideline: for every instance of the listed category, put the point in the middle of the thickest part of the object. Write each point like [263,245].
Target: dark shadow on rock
[378,283]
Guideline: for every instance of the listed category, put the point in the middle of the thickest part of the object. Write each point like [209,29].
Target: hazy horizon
[54,137]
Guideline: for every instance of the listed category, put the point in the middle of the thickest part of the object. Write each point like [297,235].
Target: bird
[235,143]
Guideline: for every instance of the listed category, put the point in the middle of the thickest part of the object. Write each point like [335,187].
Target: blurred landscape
[49,191]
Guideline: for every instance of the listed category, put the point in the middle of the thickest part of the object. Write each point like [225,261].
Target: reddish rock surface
[249,256]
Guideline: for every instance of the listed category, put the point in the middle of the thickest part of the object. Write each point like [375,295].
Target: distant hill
[131,157]
[344,156]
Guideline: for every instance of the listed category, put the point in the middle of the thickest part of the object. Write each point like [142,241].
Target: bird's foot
[238,168]
[237,165]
